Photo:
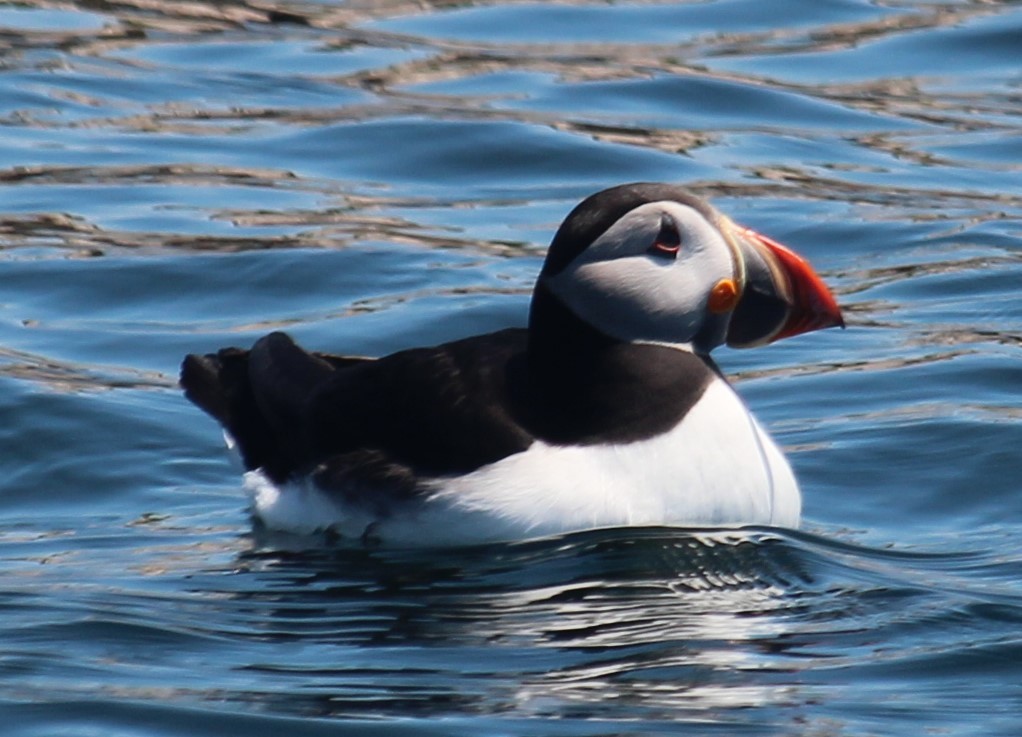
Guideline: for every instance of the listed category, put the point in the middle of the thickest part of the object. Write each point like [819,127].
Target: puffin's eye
[668,240]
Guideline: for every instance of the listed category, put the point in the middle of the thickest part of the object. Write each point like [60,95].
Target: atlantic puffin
[605,411]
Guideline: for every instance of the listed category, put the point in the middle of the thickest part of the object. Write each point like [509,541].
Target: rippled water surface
[175,177]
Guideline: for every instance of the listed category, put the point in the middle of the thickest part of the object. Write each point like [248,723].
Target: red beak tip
[814,305]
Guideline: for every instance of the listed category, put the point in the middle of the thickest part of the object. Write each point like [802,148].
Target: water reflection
[629,624]
[649,621]
[652,621]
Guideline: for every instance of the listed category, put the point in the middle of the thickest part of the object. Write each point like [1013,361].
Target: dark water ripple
[372,175]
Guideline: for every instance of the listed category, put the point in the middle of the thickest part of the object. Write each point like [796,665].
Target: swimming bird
[606,410]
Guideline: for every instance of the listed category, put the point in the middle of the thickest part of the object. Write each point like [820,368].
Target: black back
[449,409]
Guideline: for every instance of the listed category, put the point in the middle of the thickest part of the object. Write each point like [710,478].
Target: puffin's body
[605,411]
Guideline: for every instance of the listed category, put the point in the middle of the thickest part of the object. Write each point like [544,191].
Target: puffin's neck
[559,338]
[592,386]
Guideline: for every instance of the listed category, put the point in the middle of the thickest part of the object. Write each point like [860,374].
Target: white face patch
[629,290]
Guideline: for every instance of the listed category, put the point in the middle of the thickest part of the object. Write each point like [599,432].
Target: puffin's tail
[219,384]
[260,396]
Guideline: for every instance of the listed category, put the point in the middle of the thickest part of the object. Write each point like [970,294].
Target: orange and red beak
[782,295]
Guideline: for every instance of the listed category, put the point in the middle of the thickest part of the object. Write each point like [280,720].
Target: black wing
[425,411]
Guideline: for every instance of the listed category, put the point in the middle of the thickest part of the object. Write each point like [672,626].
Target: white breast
[717,467]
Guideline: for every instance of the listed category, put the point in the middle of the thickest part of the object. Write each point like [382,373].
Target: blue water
[175,177]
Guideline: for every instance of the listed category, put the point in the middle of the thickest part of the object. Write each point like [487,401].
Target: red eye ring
[668,240]
[664,249]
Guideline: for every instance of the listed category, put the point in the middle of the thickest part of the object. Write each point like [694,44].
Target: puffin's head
[653,263]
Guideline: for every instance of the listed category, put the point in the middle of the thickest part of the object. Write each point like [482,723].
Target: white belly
[717,467]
